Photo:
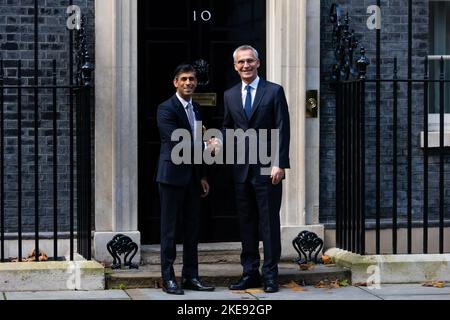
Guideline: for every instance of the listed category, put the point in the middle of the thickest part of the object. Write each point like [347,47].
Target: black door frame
[144,218]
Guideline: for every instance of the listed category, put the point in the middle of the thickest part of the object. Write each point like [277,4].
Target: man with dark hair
[180,186]
[260,105]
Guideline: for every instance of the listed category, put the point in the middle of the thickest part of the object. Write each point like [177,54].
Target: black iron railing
[350,161]
[68,109]
[393,148]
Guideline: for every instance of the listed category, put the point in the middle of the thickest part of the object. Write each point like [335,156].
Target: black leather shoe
[247,282]
[171,287]
[195,284]
[271,286]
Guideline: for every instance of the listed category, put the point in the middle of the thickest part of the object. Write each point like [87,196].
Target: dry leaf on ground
[307,266]
[298,289]
[251,291]
[434,284]
[321,284]
[327,284]
[334,284]
[360,284]
[238,291]
[293,286]
[326,260]
[290,285]
[254,291]
[31,257]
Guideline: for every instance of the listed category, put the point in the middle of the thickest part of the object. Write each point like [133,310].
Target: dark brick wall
[17,42]
[394,38]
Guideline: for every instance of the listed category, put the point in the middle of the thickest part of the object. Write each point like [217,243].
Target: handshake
[214,145]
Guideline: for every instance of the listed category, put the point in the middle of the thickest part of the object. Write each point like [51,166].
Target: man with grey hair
[245,47]
[260,105]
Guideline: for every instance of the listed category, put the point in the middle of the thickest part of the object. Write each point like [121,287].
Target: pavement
[350,301]
[385,292]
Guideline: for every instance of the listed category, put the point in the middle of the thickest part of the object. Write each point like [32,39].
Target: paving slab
[312,293]
[409,292]
[68,295]
[386,292]
[418,297]
[307,293]
[218,294]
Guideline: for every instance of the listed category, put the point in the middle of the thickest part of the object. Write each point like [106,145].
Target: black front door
[172,32]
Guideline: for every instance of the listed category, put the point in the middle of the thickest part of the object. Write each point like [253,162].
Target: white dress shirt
[254,86]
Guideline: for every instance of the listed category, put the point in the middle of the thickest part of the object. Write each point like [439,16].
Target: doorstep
[221,275]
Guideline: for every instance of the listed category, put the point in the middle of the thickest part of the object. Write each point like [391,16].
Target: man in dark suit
[260,105]
[180,185]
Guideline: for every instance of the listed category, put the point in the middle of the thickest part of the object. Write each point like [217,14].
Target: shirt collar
[254,84]
[183,102]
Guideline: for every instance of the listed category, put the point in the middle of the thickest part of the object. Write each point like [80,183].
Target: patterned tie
[191,116]
[248,102]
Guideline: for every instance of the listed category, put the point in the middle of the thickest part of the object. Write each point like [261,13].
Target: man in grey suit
[255,103]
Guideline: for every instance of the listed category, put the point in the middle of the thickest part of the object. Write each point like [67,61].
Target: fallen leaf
[298,289]
[327,284]
[43,257]
[334,284]
[307,266]
[290,285]
[254,291]
[326,260]
[32,256]
[238,292]
[360,284]
[293,286]
[434,284]
[320,284]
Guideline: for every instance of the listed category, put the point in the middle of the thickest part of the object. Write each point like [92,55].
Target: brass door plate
[205,99]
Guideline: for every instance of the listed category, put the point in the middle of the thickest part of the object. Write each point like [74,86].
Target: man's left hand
[277,175]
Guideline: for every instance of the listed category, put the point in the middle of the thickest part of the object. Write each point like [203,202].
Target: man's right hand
[214,145]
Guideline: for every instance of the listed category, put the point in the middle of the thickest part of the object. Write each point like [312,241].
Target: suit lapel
[180,111]
[259,95]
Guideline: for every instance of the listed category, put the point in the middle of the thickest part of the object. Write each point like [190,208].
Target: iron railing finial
[362,64]
[83,59]
[345,43]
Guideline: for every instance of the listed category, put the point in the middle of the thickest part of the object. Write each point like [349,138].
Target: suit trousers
[179,204]
[258,206]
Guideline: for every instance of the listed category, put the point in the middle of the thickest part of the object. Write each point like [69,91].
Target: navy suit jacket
[269,111]
[171,116]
